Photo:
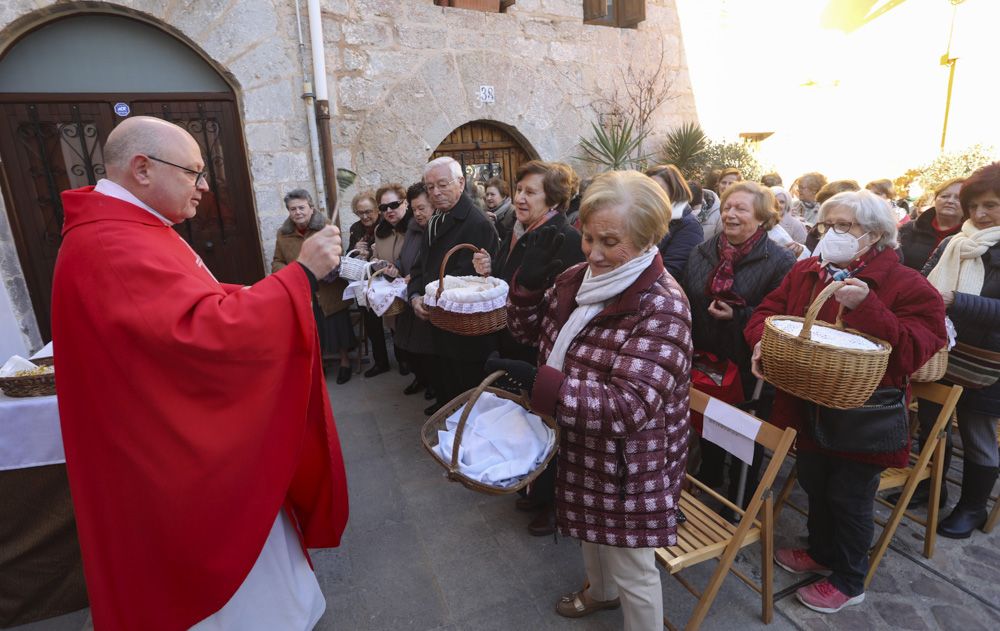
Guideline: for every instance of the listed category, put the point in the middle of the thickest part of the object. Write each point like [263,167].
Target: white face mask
[839,248]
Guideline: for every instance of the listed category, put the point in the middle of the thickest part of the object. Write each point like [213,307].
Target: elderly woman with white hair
[840,473]
[613,368]
[789,222]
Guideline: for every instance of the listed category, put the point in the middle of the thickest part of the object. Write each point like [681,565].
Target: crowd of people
[627,287]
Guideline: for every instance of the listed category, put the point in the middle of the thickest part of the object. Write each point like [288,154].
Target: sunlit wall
[863,105]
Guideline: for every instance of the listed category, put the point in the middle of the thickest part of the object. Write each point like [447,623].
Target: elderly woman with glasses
[882,298]
[614,370]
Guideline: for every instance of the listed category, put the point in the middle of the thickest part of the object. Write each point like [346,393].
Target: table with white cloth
[41,573]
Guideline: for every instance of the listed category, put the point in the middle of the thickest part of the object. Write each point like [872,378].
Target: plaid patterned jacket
[622,402]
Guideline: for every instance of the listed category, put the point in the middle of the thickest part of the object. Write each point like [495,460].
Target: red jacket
[191,413]
[902,308]
[622,401]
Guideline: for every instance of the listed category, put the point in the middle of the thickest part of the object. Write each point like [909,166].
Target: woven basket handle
[372,277]
[817,304]
[460,246]
[471,403]
[355,251]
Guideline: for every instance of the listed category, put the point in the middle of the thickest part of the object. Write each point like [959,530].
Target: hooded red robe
[191,412]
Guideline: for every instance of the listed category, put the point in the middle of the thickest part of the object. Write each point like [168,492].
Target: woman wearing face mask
[887,300]
[725,279]
[917,239]
[614,371]
[413,335]
[542,193]
[966,270]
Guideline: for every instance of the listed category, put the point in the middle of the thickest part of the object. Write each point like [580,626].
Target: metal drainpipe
[323,107]
[308,97]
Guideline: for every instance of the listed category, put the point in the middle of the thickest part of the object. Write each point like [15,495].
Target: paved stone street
[423,553]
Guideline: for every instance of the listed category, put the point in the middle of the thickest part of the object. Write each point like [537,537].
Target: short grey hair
[781,192]
[870,212]
[452,163]
[298,193]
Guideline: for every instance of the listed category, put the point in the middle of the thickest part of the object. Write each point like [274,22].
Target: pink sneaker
[825,598]
[798,561]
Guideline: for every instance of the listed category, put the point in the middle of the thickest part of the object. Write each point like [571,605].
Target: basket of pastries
[466,305]
[828,364]
[22,378]
[488,439]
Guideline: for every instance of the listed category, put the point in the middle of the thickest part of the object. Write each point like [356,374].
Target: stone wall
[403,74]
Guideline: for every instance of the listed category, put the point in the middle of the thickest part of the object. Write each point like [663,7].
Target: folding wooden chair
[706,535]
[927,465]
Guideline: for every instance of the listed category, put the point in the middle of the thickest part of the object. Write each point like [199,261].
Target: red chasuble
[191,412]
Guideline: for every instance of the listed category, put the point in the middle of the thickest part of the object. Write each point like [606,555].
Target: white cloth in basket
[468,294]
[501,443]
[382,292]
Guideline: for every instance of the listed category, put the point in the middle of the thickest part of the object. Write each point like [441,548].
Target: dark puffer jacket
[757,274]
[684,235]
[917,239]
[622,402]
[977,320]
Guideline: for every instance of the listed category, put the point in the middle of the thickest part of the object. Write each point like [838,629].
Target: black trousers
[375,333]
[841,517]
[452,377]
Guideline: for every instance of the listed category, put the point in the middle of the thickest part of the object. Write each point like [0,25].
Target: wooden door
[52,143]
[485,150]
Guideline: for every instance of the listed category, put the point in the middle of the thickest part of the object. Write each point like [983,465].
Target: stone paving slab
[422,553]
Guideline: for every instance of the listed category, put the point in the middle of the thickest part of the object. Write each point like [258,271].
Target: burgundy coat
[902,308]
[622,402]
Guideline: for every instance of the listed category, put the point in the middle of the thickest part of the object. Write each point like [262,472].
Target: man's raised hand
[321,252]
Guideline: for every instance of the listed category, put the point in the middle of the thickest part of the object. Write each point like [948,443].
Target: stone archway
[486,150]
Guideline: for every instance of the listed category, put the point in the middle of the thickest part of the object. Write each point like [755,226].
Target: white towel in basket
[501,443]
[468,294]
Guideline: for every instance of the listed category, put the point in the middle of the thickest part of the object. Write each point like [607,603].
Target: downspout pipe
[309,98]
[323,107]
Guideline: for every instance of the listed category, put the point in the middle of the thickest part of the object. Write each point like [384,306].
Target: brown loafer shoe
[543,524]
[578,605]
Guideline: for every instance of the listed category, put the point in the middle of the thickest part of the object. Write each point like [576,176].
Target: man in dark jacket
[457,221]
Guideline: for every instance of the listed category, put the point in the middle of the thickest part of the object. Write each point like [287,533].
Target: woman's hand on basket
[852,294]
[417,302]
[539,265]
[391,271]
[756,367]
[520,375]
[482,262]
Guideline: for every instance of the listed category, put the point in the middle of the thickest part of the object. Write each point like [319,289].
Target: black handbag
[880,425]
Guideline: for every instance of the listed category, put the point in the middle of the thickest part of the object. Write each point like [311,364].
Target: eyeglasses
[390,206]
[433,187]
[199,175]
[840,227]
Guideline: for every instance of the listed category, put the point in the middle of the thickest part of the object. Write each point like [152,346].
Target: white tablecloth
[29,432]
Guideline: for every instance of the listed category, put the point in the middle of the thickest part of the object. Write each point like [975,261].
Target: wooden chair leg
[786,490]
[767,560]
[890,528]
[934,499]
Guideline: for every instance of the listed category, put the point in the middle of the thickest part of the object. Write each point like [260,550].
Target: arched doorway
[485,149]
[64,87]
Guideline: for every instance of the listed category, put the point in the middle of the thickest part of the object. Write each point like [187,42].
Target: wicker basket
[353,268]
[32,385]
[429,435]
[469,324]
[831,376]
[398,305]
[934,369]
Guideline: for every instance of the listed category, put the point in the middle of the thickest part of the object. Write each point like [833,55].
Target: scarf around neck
[594,294]
[720,284]
[960,267]
[520,230]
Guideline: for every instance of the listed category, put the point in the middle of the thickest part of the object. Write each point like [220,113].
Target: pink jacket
[622,402]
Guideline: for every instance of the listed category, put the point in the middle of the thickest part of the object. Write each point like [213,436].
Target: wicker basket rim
[884,347]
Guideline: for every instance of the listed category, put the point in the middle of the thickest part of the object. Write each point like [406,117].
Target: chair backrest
[770,437]
[945,396]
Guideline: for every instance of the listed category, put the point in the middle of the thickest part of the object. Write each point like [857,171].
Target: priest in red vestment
[201,450]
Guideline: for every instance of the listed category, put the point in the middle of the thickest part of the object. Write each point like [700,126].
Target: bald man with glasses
[201,450]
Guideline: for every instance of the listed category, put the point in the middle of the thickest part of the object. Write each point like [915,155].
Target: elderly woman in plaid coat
[614,338]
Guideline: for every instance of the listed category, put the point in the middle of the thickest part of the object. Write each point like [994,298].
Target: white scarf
[960,267]
[677,210]
[594,294]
